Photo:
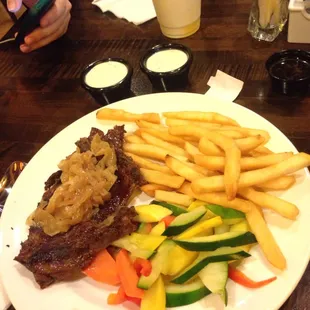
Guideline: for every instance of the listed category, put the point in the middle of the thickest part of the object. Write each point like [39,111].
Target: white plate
[293,237]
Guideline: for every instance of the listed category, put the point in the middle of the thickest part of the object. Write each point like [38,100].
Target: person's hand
[53,24]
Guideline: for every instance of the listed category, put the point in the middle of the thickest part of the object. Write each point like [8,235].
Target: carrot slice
[168,219]
[142,266]
[128,275]
[135,300]
[148,228]
[103,269]
[240,278]
[118,298]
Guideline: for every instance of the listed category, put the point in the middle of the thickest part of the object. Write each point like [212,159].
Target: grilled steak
[65,255]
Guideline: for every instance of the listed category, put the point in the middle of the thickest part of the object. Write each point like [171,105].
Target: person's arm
[53,24]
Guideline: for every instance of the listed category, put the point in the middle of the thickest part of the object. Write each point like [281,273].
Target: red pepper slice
[168,219]
[142,266]
[240,278]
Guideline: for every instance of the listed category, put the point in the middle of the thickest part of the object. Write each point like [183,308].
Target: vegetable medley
[177,256]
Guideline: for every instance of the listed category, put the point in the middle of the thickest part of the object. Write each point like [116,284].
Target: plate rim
[171,94]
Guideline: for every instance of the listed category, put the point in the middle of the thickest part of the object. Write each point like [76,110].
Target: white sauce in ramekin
[166,60]
[106,74]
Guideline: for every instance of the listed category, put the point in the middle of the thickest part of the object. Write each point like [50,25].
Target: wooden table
[40,93]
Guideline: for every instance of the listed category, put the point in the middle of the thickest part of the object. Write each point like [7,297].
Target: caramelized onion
[86,180]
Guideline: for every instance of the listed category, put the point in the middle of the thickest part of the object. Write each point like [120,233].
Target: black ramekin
[113,93]
[171,80]
[289,71]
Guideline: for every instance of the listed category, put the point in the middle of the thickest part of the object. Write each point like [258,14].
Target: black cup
[289,72]
[171,80]
[113,93]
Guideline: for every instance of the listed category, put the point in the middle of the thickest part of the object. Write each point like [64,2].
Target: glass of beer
[178,18]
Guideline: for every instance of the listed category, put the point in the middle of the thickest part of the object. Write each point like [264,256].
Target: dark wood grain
[40,93]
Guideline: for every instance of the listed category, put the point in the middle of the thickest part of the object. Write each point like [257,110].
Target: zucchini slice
[158,229]
[151,213]
[184,221]
[205,258]
[157,265]
[221,229]
[242,226]
[214,276]
[133,249]
[225,213]
[140,245]
[203,226]
[176,210]
[180,295]
[211,243]
[232,221]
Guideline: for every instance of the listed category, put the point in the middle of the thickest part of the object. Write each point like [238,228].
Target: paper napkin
[224,87]
[135,11]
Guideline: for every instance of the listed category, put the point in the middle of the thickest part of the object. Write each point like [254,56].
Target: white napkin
[224,87]
[135,11]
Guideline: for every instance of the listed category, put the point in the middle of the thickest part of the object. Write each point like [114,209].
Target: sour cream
[106,74]
[166,60]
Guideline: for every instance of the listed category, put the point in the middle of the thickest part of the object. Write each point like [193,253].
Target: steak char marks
[63,256]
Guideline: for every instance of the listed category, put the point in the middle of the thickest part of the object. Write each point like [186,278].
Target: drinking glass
[267,19]
[178,18]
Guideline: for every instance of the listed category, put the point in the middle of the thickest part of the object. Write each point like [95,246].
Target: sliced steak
[51,185]
[63,256]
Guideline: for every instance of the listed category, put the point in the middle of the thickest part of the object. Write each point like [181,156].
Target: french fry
[146,150]
[274,203]
[157,177]
[164,135]
[173,197]
[138,133]
[181,122]
[255,153]
[182,169]
[148,164]
[199,169]
[134,139]
[207,147]
[188,131]
[279,184]
[232,162]
[232,153]
[163,144]
[234,134]
[265,238]
[216,198]
[122,115]
[263,150]
[210,117]
[145,124]
[250,143]
[254,177]
[217,163]
[248,131]
[245,145]
[191,150]
[150,151]
[150,189]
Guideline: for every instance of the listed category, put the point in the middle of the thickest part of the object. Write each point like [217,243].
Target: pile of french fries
[210,157]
